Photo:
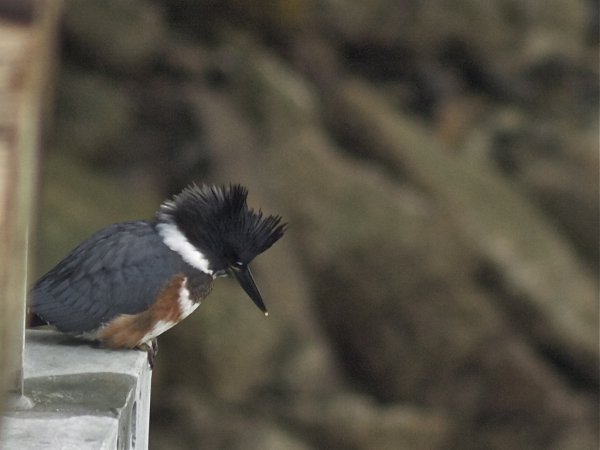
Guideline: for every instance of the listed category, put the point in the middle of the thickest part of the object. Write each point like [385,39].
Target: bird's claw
[150,347]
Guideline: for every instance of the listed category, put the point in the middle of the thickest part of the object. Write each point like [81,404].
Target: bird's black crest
[217,220]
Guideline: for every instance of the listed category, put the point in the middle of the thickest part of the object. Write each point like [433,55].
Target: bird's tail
[34,321]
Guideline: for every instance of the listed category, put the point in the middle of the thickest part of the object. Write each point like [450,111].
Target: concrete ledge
[84,397]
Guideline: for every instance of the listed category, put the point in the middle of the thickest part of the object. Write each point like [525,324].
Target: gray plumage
[118,270]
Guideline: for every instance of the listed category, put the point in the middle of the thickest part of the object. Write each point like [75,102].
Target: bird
[131,281]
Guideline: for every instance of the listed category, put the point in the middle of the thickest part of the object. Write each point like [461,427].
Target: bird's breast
[177,300]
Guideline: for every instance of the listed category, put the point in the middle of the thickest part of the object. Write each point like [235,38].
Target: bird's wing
[119,270]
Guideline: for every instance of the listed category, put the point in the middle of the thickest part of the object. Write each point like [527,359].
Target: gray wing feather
[119,270]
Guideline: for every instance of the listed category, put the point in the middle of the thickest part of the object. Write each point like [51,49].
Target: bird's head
[213,229]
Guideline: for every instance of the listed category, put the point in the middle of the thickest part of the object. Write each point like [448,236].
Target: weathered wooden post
[27,37]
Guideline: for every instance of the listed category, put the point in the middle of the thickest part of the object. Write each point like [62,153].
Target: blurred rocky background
[437,163]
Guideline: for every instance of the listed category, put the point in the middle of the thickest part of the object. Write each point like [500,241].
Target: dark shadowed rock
[540,274]
[124,36]
[95,114]
[204,422]
[355,421]
[556,163]
[500,34]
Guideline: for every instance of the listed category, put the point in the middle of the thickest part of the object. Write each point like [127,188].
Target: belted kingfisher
[132,281]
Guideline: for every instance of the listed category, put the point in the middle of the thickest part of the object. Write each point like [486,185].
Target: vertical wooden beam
[27,37]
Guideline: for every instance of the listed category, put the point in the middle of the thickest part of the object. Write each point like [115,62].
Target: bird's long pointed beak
[244,277]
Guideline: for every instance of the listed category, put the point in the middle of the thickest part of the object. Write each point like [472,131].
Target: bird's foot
[151,347]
